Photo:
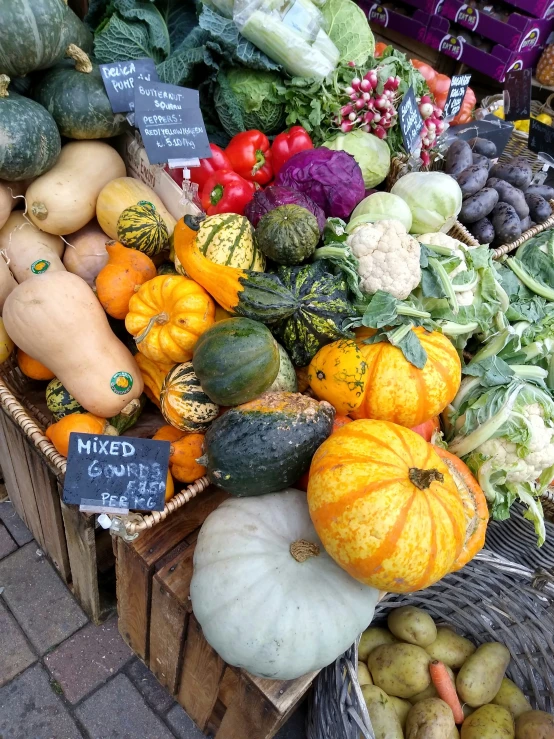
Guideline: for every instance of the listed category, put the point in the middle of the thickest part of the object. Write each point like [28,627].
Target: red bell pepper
[226,192]
[250,156]
[288,143]
[217,161]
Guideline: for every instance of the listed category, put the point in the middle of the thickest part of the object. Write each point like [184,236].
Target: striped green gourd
[141,227]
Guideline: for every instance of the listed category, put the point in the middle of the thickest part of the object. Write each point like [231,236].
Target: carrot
[446,689]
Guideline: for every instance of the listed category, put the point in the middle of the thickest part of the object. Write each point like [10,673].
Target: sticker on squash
[121,383]
[40,266]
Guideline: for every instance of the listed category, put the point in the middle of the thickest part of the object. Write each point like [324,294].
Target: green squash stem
[302,550]
[82,62]
[422,479]
[161,318]
[4,82]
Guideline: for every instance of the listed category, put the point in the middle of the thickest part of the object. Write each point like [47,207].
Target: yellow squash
[338,374]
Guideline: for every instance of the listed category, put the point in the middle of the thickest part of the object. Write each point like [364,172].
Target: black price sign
[116,473]
[121,78]
[173,135]
[162,97]
[541,138]
[517,94]
[411,121]
[456,95]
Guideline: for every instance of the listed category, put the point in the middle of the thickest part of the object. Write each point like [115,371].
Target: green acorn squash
[286,380]
[183,403]
[34,138]
[236,360]
[267,444]
[141,227]
[74,94]
[60,402]
[287,234]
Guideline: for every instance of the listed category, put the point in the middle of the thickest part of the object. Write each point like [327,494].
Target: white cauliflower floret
[441,239]
[541,450]
[388,258]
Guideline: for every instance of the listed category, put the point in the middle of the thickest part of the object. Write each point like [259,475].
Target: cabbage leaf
[348,29]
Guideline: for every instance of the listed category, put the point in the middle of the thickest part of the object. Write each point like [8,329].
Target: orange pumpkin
[302,378]
[166,317]
[475,507]
[153,376]
[385,506]
[401,393]
[33,368]
[185,450]
[116,283]
[428,428]
[169,487]
[338,374]
[83,423]
[338,423]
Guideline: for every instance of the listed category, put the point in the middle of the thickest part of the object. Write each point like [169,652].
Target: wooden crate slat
[247,715]
[81,547]
[283,694]
[10,478]
[133,597]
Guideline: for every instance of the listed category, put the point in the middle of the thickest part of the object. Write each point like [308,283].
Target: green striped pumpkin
[60,402]
[183,402]
[141,227]
[167,268]
[229,239]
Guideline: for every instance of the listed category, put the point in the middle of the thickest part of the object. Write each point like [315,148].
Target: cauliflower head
[388,258]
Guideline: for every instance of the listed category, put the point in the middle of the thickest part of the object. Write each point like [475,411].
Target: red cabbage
[272,197]
[332,179]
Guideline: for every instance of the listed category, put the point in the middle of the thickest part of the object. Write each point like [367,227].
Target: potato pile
[499,201]
[401,698]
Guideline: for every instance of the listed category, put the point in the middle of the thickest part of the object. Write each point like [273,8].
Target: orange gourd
[83,423]
[475,507]
[185,450]
[166,317]
[116,283]
[385,506]
[153,376]
[401,393]
[427,429]
[32,367]
[338,374]
[169,487]
[338,423]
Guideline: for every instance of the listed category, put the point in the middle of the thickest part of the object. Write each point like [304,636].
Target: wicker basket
[491,599]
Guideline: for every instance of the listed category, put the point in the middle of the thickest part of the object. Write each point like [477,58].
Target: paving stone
[30,709]
[88,658]
[145,681]
[183,726]
[7,544]
[40,602]
[118,711]
[15,654]
[14,524]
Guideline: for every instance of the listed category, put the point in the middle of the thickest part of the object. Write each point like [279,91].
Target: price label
[541,138]
[456,95]
[116,474]
[120,78]
[517,94]
[411,121]
[159,96]
[173,135]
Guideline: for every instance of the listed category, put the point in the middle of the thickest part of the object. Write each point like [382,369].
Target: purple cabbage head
[272,197]
[332,179]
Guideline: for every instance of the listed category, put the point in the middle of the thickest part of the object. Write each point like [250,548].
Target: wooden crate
[156,620]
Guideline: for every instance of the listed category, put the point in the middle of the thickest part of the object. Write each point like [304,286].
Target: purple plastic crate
[538,8]
[429,6]
[494,64]
[519,33]
[415,27]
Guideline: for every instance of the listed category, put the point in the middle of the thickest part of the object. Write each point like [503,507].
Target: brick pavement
[61,677]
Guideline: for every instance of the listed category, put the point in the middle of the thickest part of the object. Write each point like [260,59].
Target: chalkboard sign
[116,473]
[517,94]
[164,98]
[541,138]
[120,79]
[456,95]
[411,121]
[173,135]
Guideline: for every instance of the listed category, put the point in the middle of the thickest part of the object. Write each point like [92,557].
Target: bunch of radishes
[368,109]
[433,126]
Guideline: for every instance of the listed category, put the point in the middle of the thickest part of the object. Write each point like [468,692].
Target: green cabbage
[434,198]
[371,153]
[349,30]
[378,207]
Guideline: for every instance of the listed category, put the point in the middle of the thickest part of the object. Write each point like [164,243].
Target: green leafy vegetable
[246,98]
[349,30]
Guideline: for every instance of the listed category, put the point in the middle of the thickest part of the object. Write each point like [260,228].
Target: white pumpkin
[261,608]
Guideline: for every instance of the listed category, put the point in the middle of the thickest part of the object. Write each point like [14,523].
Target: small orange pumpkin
[116,283]
[185,450]
[153,376]
[83,423]
[338,374]
[33,368]
[169,487]
[385,506]
[397,391]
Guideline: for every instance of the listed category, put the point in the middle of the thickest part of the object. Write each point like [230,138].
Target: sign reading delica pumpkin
[115,474]
[120,79]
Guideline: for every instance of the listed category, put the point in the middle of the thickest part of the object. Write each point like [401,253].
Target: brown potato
[510,696]
[364,678]
[384,720]
[431,691]
[535,725]
[373,638]
[489,722]
[402,709]
[450,648]
[481,676]
[400,669]
[412,625]
[430,719]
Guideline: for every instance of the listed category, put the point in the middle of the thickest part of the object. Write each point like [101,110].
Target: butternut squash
[27,250]
[85,252]
[122,193]
[7,282]
[63,200]
[6,344]
[57,320]
[9,197]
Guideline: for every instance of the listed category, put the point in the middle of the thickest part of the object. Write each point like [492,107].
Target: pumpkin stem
[130,408]
[4,82]
[302,550]
[40,211]
[422,479]
[111,430]
[82,62]
[161,318]
[193,222]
